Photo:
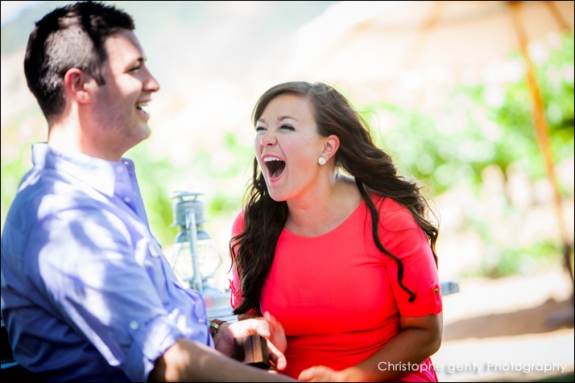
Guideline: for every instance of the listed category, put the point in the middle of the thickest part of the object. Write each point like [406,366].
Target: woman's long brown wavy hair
[253,250]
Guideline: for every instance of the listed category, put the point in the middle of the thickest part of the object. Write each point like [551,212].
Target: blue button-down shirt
[87,293]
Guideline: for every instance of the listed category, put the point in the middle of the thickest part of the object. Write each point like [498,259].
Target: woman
[346,263]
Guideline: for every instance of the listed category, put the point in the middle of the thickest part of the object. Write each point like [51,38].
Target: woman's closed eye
[282,127]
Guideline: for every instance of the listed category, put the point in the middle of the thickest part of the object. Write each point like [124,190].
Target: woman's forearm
[399,356]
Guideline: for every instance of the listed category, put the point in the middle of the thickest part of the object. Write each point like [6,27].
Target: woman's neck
[323,211]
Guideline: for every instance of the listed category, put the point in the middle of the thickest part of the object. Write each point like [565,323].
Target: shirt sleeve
[402,236]
[235,286]
[83,262]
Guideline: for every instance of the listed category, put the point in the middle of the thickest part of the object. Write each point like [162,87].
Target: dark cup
[253,350]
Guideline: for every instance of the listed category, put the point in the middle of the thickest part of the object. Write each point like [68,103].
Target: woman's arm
[420,337]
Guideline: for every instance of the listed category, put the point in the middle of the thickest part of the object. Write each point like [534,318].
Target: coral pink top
[337,295]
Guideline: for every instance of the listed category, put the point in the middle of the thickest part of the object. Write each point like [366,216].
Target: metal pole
[542,133]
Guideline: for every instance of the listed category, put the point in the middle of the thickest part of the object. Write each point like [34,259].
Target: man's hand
[266,326]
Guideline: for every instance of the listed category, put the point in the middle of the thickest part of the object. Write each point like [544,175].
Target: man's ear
[330,146]
[76,85]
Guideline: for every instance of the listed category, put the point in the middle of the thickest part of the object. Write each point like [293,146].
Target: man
[86,291]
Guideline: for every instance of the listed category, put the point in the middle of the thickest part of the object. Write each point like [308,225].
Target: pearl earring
[322,160]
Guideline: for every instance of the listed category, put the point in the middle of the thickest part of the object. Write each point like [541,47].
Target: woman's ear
[330,147]
[76,85]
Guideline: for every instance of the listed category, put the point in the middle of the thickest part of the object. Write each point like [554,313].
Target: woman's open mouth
[275,166]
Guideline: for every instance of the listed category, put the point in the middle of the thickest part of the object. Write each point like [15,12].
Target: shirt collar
[97,173]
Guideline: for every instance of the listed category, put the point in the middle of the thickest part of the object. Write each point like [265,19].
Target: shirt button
[127,199]
[134,325]
[119,169]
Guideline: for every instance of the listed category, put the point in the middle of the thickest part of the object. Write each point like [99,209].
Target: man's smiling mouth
[142,106]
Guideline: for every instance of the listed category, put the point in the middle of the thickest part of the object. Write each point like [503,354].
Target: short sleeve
[235,286]
[403,237]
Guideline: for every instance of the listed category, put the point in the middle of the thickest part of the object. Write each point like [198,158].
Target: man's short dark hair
[69,37]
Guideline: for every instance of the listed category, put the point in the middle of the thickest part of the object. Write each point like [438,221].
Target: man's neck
[69,137]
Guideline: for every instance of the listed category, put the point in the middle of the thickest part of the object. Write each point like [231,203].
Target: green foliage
[455,143]
[12,172]
[501,260]
[16,160]
[452,145]
[154,174]
[439,159]
[225,203]
[515,119]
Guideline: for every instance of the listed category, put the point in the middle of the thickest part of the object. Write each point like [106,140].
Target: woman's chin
[276,196]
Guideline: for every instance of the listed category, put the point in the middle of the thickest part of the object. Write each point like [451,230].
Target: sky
[10,9]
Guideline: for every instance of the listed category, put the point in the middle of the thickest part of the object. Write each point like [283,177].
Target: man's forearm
[190,361]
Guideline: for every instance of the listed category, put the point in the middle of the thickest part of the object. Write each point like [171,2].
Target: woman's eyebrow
[285,117]
[279,119]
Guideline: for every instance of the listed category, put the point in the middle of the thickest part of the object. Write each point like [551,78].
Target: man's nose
[150,84]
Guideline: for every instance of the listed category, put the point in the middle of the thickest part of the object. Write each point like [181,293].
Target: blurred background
[472,99]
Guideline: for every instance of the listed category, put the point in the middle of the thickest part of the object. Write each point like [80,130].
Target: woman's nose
[268,138]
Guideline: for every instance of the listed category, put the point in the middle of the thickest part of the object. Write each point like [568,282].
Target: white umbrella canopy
[379,41]
[384,43]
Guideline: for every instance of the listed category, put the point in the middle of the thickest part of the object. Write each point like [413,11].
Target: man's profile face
[118,104]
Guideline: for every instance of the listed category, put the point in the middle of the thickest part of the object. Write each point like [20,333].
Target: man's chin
[138,136]
[147,132]
[144,132]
